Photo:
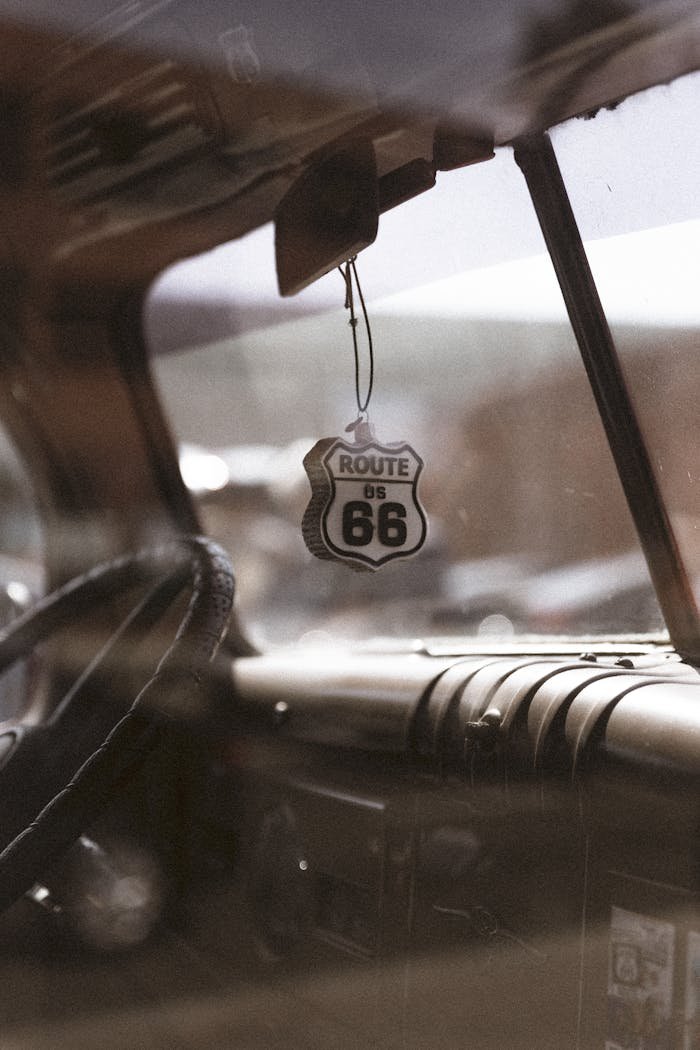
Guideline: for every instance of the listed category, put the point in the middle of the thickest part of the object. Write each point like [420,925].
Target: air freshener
[364,508]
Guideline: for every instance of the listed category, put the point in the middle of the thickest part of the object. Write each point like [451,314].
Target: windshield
[648,284]
[475,367]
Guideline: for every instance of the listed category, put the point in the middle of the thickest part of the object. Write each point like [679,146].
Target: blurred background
[477,368]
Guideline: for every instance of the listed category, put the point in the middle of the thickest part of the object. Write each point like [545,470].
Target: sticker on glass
[692,994]
[640,982]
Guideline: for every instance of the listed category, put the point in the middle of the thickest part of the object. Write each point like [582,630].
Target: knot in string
[349,275]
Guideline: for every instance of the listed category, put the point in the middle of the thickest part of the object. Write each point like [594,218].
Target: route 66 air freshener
[364,507]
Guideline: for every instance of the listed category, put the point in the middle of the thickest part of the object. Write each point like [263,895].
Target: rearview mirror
[330,214]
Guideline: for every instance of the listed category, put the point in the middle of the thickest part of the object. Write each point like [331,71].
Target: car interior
[350,564]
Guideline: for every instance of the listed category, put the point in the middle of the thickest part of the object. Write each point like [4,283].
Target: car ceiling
[248,98]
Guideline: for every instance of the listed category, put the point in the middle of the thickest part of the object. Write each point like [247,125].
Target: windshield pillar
[536,159]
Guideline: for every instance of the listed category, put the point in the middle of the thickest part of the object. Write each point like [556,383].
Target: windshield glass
[648,283]
[475,367]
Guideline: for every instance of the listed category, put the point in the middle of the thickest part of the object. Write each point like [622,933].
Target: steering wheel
[36,841]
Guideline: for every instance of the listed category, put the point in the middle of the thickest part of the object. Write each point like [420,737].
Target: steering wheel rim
[193,561]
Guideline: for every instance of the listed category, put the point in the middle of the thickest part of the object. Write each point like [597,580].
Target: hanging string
[348,274]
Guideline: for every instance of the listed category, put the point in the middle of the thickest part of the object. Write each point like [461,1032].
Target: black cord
[347,275]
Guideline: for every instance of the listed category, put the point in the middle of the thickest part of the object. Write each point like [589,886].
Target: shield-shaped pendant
[364,507]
